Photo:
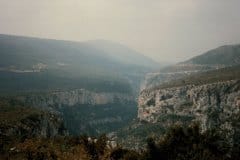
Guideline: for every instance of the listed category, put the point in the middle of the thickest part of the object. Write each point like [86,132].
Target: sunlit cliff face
[164,30]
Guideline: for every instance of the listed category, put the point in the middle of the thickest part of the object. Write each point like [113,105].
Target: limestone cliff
[86,111]
[74,97]
[213,105]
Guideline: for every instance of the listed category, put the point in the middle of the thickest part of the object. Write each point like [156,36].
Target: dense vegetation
[95,119]
[18,122]
[13,111]
[189,143]
[179,143]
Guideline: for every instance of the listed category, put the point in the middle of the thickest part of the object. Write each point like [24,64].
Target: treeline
[179,143]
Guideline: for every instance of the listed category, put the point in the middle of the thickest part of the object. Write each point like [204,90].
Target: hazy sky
[166,30]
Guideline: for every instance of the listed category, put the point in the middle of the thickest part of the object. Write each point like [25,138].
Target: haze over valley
[119,80]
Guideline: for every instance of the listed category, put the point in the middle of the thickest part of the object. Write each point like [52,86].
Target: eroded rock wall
[210,104]
[74,97]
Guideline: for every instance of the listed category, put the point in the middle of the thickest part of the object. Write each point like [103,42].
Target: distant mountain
[122,53]
[220,57]
[23,51]
[224,55]
[32,63]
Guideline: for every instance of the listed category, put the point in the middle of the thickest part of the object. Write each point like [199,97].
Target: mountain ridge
[218,58]
[68,61]
[224,55]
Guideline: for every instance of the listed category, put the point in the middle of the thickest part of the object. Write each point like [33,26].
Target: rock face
[213,105]
[74,97]
[86,111]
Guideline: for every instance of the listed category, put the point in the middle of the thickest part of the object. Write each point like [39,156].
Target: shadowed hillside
[38,64]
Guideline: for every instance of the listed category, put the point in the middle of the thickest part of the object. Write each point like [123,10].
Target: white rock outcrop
[210,104]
